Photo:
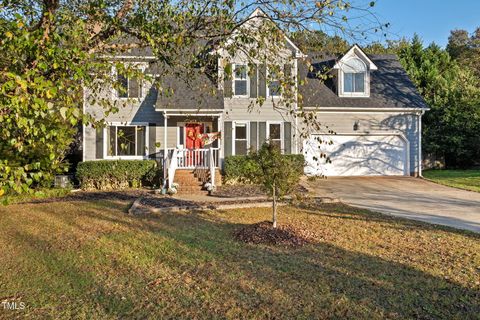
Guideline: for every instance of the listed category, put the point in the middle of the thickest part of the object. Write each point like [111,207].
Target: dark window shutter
[99,143]
[287,136]
[152,139]
[123,82]
[262,81]
[227,81]
[253,135]
[133,88]
[227,128]
[253,74]
[287,70]
[141,140]
[262,133]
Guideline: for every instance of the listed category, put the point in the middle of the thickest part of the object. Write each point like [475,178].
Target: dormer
[353,74]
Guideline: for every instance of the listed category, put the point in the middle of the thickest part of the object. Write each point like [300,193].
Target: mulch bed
[246,190]
[163,201]
[238,190]
[284,235]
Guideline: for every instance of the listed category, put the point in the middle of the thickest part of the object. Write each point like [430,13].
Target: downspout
[295,106]
[420,143]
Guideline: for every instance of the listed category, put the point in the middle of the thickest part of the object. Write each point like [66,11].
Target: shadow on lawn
[382,287]
[320,280]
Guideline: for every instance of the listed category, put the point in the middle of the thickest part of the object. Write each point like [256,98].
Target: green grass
[89,260]
[462,179]
[44,193]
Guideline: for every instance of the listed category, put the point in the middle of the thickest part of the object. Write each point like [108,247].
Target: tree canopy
[51,49]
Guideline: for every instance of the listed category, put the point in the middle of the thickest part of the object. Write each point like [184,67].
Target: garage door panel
[356,155]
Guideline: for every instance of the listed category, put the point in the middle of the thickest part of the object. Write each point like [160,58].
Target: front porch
[190,157]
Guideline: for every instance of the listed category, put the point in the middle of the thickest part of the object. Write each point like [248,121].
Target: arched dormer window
[354,73]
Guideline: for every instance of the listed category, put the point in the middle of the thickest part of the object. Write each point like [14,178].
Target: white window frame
[366,85]
[115,96]
[247,78]
[268,87]
[234,134]
[183,126]
[125,124]
[282,133]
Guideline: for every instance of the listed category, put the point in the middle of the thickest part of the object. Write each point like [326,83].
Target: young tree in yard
[51,49]
[275,172]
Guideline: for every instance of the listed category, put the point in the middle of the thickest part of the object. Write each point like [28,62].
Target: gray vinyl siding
[405,123]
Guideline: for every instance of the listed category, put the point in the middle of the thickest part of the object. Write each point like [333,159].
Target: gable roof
[356,51]
[258,13]
[390,86]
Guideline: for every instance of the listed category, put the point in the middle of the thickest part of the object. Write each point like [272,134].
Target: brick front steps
[192,181]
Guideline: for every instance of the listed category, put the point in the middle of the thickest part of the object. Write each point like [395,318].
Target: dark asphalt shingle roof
[390,86]
[196,91]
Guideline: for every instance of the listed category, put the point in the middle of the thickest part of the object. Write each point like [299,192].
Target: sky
[431,19]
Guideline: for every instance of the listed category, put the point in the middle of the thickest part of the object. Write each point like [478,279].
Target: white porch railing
[196,158]
[192,159]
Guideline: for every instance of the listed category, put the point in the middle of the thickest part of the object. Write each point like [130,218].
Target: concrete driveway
[407,197]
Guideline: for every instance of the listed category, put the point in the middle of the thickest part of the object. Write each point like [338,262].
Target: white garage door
[356,155]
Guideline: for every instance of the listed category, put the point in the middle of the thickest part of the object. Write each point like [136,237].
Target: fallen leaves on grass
[285,235]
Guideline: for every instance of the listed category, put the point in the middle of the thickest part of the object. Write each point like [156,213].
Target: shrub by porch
[238,168]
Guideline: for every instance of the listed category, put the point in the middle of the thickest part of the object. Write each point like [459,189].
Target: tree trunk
[274,207]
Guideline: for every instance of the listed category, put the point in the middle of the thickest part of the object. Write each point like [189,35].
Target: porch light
[355,126]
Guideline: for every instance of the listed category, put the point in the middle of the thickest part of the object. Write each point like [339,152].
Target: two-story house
[369,105]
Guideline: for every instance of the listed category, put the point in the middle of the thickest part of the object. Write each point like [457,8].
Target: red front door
[193,140]
[192,137]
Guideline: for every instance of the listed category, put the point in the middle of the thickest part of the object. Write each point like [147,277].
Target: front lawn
[87,259]
[462,179]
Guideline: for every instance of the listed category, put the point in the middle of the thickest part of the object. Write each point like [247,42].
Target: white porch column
[220,141]
[165,133]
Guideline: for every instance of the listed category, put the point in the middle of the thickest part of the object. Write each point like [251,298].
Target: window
[126,141]
[128,87]
[354,82]
[240,80]
[275,134]
[274,85]
[354,77]
[241,139]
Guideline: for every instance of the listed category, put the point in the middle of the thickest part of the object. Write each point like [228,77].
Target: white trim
[355,50]
[350,109]
[141,83]
[83,124]
[247,79]
[191,114]
[165,130]
[234,133]
[126,124]
[127,57]
[366,80]
[282,133]
[268,86]
[420,160]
